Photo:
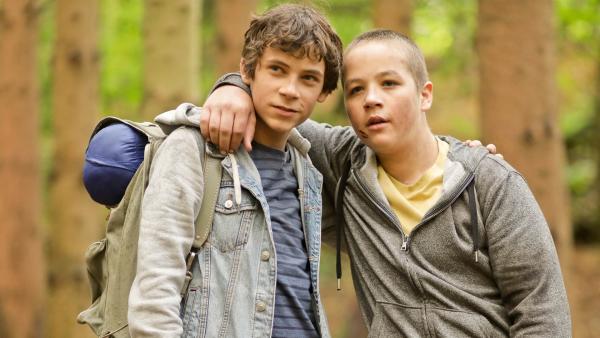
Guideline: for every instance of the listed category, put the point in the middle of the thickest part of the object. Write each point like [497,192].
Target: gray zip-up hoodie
[430,284]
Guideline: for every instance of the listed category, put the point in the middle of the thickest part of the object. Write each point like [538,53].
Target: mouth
[375,120]
[285,109]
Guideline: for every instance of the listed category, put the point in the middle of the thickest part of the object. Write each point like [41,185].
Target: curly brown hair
[297,30]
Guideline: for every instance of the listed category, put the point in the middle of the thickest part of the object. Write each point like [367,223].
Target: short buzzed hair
[415,60]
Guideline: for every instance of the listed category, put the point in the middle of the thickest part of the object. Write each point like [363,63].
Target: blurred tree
[21,262]
[232,21]
[597,134]
[518,101]
[74,217]
[171,54]
[393,14]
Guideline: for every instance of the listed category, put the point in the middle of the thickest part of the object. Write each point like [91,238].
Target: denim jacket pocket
[232,222]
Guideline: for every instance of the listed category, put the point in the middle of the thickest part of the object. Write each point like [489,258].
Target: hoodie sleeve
[169,208]
[522,256]
[330,150]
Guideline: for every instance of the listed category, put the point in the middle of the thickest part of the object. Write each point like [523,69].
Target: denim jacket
[232,293]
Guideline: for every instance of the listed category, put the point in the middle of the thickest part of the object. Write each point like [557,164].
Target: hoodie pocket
[396,320]
[451,323]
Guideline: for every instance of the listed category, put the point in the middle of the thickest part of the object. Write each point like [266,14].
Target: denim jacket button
[228,204]
[261,306]
[265,255]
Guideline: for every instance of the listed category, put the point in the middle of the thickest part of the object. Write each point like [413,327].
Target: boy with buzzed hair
[444,240]
[257,273]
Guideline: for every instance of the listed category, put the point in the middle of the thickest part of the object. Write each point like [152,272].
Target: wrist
[231,79]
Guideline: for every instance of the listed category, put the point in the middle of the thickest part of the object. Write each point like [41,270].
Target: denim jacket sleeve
[169,208]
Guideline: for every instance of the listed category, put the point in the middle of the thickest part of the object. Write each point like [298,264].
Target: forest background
[524,75]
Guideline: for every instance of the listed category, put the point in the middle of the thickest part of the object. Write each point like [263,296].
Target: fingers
[214,125]
[228,110]
[204,123]
[491,148]
[238,129]
[249,132]
[227,118]
[473,143]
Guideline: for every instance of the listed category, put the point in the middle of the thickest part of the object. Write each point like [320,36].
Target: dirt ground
[583,287]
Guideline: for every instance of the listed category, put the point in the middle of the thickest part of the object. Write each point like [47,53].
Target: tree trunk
[393,14]
[171,54]
[232,18]
[21,262]
[518,102]
[596,136]
[75,219]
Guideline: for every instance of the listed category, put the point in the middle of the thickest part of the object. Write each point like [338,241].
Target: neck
[409,161]
[269,137]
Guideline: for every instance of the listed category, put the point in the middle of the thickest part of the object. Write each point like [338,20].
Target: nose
[372,99]
[290,89]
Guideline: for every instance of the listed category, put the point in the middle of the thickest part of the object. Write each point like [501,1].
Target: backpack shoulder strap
[151,130]
[212,181]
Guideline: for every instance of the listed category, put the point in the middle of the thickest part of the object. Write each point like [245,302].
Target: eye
[389,83]
[275,69]
[310,78]
[354,90]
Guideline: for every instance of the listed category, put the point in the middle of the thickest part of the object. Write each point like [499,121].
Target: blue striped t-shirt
[294,315]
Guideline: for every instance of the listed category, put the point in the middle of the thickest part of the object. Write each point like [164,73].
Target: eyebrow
[380,74]
[311,71]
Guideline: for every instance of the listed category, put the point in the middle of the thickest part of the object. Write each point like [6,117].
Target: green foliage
[578,72]
[445,30]
[122,59]
[45,51]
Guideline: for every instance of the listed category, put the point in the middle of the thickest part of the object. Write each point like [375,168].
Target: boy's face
[285,90]
[382,101]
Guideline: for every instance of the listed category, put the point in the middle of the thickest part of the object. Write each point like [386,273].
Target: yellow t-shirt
[411,202]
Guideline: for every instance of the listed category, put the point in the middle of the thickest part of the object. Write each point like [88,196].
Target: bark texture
[75,220]
[393,14]
[21,262]
[518,96]
[171,54]
[232,18]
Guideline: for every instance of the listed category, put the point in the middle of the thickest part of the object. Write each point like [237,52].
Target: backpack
[111,262]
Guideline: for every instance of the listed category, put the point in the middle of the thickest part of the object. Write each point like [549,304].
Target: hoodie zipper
[406,238]
[440,208]
[390,216]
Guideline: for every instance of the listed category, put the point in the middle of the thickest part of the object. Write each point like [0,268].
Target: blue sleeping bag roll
[112,158]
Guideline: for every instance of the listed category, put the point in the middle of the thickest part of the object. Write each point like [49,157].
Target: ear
[322,97]
[245,76]
[426,96]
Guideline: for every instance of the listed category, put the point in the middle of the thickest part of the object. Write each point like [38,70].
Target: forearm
[231,79]
[169,208]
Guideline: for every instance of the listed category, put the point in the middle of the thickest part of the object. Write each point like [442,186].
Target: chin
[281,127]
[379,145]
